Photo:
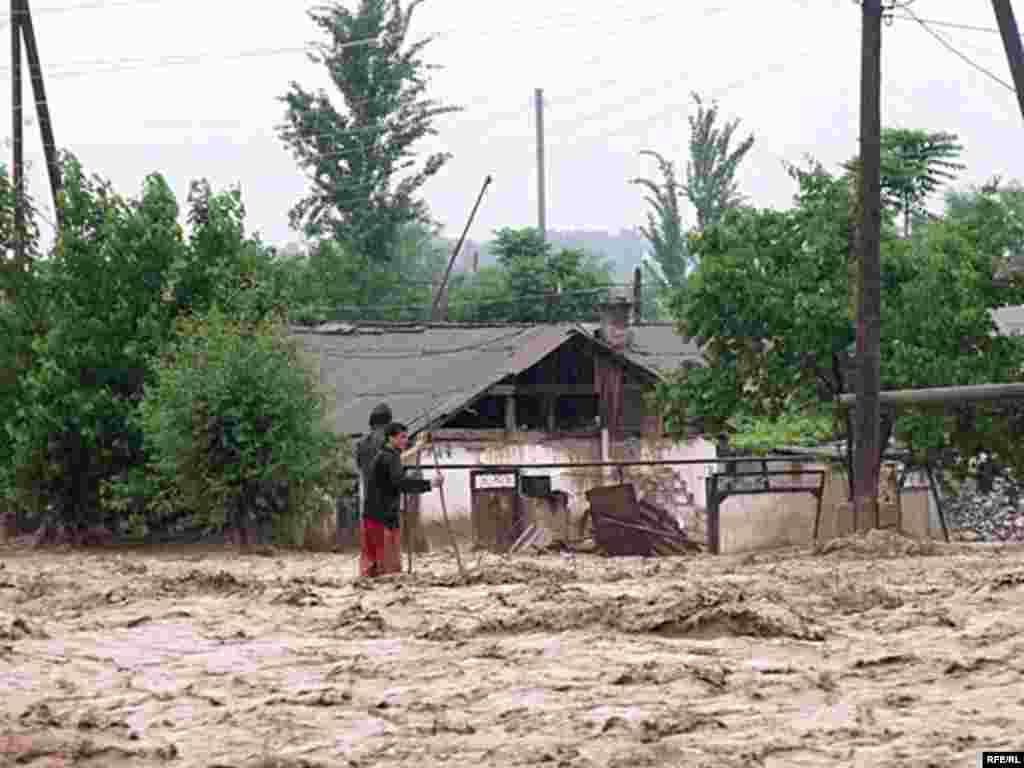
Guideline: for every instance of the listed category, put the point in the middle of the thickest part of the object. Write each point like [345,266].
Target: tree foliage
[83,328]
[711,185]
[664,229]
[235,426]
[359,158]
[770,302]
[522,286]
[915,164]
[102,290]
[329,282]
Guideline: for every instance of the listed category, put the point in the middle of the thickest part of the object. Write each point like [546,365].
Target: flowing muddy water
[873,651]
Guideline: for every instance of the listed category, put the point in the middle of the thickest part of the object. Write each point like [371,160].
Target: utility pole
[638,297]
[17,137]
[868,432]
[541,202]
[435,310]
[42,109]
[1012,44]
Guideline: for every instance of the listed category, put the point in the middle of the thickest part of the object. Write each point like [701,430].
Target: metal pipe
[656,463]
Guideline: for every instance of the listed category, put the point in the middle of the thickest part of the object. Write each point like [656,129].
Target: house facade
[512,394]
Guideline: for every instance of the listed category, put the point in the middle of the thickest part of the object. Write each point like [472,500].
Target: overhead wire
[59,71]
[371,185]
[958,53]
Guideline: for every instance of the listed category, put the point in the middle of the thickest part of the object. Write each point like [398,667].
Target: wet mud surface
[869,651]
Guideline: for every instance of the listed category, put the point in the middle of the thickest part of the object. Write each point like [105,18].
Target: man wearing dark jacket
[381,545]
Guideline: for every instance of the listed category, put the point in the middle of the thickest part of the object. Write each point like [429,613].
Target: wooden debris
[625,526]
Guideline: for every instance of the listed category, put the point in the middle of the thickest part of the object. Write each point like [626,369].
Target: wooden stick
[407,532]
[447,523]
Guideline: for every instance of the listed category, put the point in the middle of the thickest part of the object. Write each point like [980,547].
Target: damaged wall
[674,488]
[681,489]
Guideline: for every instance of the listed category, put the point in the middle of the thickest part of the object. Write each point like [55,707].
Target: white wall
[540,448]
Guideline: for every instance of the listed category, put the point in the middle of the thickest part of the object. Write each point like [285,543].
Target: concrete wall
[676,488]
[775,520]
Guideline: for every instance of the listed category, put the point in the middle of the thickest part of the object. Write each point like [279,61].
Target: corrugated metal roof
[657,347]
[426,372]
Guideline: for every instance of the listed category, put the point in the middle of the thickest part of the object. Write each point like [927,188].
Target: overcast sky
[617,77]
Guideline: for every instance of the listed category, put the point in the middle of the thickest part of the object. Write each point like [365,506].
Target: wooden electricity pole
[868,433]
[1012,44]
[541,192]
[42,109]
[22,28]
[17,138]
[435,309]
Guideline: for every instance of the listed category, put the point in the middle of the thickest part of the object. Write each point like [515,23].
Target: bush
[237,430]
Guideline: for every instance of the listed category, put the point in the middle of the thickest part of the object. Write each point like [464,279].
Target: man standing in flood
[381,539]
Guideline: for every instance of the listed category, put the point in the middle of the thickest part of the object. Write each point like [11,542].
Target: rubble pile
[995,516]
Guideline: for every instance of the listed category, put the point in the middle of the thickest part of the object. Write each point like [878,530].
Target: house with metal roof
[516,394]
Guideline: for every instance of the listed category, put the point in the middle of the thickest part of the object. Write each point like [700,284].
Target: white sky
[617,77]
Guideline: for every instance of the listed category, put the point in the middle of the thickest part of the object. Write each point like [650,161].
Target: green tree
[96,313]
[915,165]
[359,157]
[664,229]
[330,282]
[993,214]
[522,286]
[22,316]
[103,292]
[769,302]
[236,428]
[711,185]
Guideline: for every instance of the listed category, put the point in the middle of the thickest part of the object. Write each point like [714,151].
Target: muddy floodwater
[873,651]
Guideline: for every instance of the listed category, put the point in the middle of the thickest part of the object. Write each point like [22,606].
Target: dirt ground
[871,651]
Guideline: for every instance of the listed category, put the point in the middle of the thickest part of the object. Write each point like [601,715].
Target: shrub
[237,430]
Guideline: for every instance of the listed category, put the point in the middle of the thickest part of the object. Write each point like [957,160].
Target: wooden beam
[942,395]
[510,414]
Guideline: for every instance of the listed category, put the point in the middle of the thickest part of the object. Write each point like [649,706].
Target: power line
[675,106]
[61,71]
[948,24]
[959,54]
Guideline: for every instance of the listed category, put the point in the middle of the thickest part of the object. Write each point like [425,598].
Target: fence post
[713,522]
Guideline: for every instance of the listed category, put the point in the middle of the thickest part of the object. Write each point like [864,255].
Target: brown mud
[868,651]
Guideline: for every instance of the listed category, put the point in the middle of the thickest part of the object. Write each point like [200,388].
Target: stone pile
[995,516]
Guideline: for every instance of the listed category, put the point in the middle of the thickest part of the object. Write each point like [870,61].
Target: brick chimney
[615,316]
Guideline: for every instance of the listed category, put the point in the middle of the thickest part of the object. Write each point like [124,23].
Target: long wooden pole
[435,308]
[17,137]
[1012,45]
[447,522]
[868,415]
[42,110]
[944,395]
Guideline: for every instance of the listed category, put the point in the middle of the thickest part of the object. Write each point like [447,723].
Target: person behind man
[370,445]
[366,452]
[381,545]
